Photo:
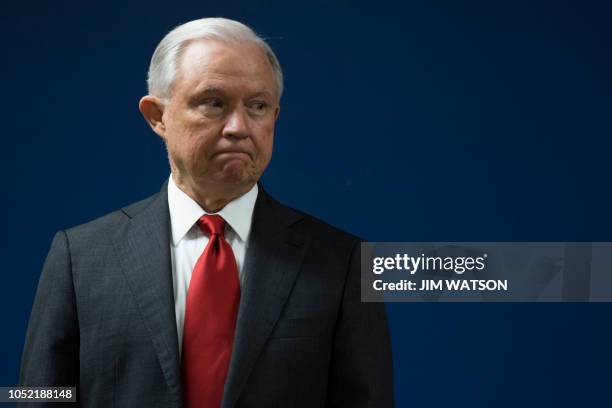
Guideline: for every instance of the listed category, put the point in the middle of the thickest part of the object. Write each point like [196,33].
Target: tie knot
[212,224]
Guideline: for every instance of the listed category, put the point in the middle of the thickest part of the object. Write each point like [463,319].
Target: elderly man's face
[219,121]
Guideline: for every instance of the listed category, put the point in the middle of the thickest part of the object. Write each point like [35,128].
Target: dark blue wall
[425,121]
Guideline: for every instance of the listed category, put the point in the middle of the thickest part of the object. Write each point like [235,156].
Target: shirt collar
[184,212]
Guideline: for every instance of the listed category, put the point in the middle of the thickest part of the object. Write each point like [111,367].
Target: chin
[237,173]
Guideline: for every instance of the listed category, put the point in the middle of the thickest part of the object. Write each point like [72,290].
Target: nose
[237,125]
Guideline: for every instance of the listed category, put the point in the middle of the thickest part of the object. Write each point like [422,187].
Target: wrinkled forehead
[239,63]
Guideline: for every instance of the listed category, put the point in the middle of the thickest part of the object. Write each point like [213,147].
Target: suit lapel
[144,250]
[273,261]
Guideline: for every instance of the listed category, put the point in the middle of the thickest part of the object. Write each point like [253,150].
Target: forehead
[205,62]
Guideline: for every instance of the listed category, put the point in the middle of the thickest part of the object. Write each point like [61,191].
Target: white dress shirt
[188,241]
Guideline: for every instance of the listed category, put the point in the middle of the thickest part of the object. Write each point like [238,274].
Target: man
[209,293]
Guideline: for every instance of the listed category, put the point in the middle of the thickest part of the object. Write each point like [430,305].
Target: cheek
[265,141]
[191,141]
[188,151]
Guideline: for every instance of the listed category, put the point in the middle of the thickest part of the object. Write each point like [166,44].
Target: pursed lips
[233,152]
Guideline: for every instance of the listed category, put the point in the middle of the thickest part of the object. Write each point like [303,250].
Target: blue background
[425,121]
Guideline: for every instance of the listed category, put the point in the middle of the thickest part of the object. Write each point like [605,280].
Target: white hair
[163,67]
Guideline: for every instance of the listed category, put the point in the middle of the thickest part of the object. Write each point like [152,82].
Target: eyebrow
[209,89]
[217,90]
[262,93]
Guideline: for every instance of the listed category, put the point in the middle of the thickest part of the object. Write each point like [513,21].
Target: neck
[211,198]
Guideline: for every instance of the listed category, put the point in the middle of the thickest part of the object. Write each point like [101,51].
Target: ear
[152,108]
[276,112]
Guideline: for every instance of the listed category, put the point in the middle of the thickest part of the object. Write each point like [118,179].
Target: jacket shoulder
[106,225]
[314,227]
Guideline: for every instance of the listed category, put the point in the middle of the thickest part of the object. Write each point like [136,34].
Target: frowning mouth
[233,153]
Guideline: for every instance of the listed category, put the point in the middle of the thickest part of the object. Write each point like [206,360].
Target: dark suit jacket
[103,317]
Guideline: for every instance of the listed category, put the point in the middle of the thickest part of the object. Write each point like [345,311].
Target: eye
[258,107]
[213,102]
[212,106]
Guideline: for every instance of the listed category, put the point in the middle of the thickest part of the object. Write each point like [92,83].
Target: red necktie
[210,318]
